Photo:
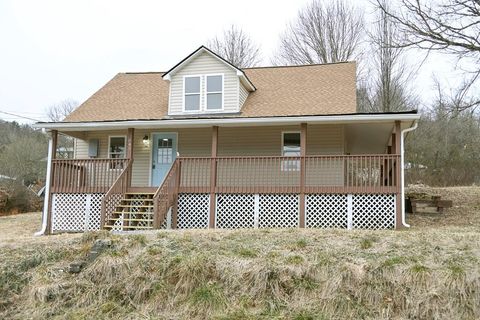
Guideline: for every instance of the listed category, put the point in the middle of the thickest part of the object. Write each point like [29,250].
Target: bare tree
[59,111]
[236,47]
[447,26]
[387,89]
[322,33]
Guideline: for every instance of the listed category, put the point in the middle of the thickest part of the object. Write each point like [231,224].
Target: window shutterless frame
[109,153]
[289,165]
[222,92]
[199,93]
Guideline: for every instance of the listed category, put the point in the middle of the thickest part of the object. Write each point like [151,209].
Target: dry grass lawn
[18,230]
[431,271]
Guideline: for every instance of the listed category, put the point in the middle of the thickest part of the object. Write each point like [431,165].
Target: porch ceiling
[367,138]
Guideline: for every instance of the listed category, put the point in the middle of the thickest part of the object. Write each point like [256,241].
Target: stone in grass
[98,247]
[76,267]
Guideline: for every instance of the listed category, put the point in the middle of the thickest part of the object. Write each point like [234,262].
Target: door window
[165,151]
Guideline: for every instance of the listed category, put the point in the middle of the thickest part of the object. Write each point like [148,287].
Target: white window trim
[283,140]
[108,150]
[222,92]
[203,93]
[199,93]
[282,154]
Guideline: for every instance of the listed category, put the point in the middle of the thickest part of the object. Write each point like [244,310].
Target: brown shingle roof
[281,91]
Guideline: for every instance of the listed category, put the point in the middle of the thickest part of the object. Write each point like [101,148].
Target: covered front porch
[345,175]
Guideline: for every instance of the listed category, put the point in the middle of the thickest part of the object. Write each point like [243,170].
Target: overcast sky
[53,50]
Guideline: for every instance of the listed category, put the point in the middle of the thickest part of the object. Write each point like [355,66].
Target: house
[209,145]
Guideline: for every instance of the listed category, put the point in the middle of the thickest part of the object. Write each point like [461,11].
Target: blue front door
[164,154]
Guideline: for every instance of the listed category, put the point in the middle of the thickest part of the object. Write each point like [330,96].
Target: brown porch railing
[85,175]
[115,194]
[276,174]
[166,195]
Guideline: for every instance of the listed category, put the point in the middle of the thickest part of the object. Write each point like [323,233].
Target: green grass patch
[295,259]
[301,243]
[209,296]
[247,252]
[456,270]
[367,243]
[419,269]
[393,261]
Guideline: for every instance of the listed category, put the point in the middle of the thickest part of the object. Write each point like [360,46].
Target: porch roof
[406,118]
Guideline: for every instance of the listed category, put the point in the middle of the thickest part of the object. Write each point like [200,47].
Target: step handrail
[120,186]
[166,194]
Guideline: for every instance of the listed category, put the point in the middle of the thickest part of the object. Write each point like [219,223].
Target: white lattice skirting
[256,211]
[81,211]
[193,211]
[357,211]
[326,211]
[363,211]
[76,211]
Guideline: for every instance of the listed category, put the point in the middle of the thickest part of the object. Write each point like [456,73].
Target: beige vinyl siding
[239,141]
[191,143]
[81,146]
[267,141]
[242,95]
[325,139]
[257,141]
[203,65]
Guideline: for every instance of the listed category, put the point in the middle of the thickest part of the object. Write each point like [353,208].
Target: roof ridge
[143,72]
[301,65]
[249,68]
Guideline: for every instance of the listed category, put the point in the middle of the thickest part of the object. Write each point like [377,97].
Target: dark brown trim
[130,143]
[178,181]
[303,165]
[213,175]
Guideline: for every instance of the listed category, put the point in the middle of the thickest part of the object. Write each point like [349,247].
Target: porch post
[303,153]
[178,181]
[213,175]
[50,180]
[398,168]
[129,153]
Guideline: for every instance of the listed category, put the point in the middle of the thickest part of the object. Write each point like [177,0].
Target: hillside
[428,272]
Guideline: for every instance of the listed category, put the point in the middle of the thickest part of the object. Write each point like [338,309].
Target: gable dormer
[205,83]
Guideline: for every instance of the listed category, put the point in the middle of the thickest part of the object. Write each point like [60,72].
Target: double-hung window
[192,93]
[214,92]
[203,93]
[116,150]
[291,148]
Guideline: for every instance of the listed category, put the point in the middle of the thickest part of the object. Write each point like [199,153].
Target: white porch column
[52,146]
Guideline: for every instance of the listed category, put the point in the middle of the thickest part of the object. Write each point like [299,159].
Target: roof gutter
[224,122]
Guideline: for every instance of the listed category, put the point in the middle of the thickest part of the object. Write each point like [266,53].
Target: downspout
[47,190]
[402,164]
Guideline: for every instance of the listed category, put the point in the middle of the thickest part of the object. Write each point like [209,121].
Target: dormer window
[192,93]
[205,83]
[214,92]
[203,93]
